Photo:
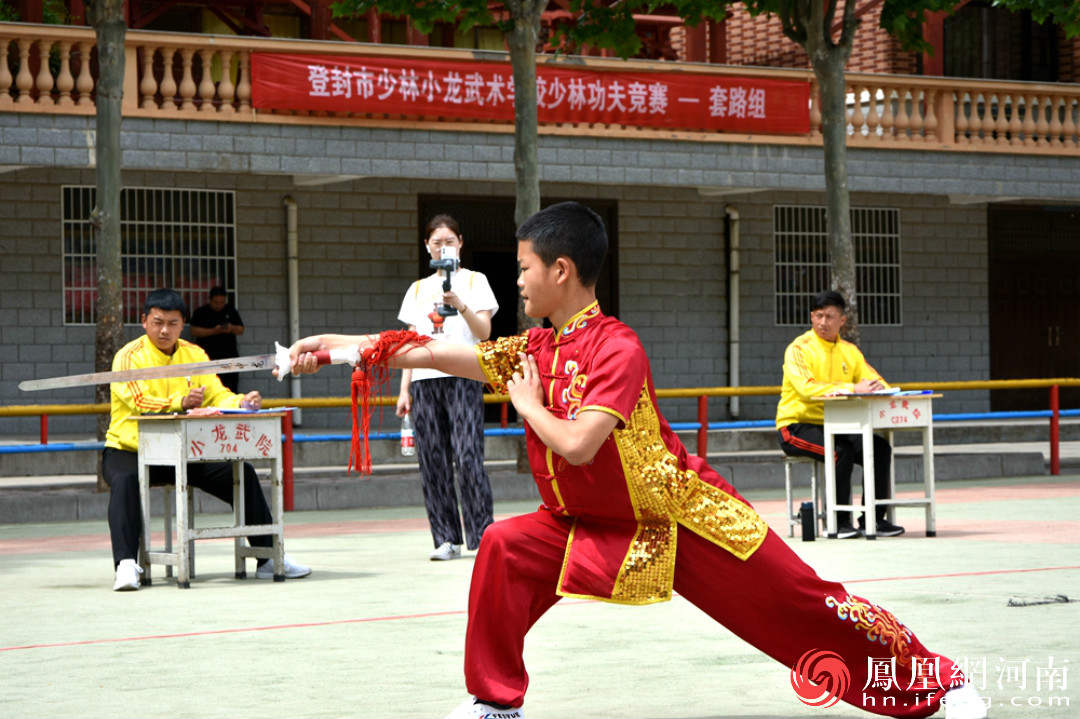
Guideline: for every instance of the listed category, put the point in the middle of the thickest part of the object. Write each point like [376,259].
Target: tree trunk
[110,29]
[828,60]
[522,41]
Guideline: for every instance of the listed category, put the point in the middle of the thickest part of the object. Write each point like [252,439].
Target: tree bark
[521,40]
[108,21]
[828,60]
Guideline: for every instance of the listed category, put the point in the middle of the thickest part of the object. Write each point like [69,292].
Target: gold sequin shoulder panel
[499,359]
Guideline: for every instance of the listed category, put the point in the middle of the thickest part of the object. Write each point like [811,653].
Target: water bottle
[408,445]
[806,514]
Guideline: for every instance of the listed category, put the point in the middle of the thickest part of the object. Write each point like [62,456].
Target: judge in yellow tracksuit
[820,362]
[163,320]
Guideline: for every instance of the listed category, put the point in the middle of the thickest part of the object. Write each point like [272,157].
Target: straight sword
[278,360]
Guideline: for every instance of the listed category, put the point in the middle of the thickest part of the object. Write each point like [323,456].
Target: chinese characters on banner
[485,91]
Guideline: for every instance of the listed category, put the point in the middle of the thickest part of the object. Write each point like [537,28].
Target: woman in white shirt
[448,412]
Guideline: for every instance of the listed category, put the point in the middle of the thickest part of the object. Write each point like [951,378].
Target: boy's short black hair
[571,230]
[218,291]
[829,298]
[167,301]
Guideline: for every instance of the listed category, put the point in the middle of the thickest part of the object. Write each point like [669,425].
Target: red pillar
[696,43]
[287,461]
[718,50]
[703,430]
[320,20]
[374,26]
[414,36]
[30,11]
[934,33]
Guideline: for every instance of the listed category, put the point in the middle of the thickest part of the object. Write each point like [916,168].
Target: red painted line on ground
[428,615]
[960,574]
[212,632]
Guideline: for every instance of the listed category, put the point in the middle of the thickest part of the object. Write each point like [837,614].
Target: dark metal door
[1034,273]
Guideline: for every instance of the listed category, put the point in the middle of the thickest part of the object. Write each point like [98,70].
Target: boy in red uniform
[618,487]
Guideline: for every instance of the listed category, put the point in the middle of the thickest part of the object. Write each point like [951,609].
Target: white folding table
[863,415]
[176,440]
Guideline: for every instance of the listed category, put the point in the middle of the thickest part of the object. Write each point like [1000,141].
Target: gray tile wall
[358,240]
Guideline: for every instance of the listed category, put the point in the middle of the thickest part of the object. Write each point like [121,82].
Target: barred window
[802,262]
[180,239]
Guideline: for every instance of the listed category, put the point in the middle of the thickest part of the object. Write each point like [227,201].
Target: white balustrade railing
[46,68]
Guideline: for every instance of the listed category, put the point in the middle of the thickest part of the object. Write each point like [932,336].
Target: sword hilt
[344,355]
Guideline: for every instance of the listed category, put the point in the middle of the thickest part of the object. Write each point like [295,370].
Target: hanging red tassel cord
[370,378]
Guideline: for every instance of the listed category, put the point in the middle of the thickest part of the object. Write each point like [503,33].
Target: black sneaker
[846,531]
[885,529]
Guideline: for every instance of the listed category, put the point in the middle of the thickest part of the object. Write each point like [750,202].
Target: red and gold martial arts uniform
[645,518]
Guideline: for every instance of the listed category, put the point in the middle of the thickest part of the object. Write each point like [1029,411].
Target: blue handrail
[518,431]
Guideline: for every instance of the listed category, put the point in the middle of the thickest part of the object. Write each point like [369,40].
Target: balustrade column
[168,80]
[963,107]
[24,80]
[887,118]
[5,75]
[1069,128]
[243,83]
[1029,126]
[206,86]
[85,83]
[44,77]
[945,110]
[1055,121]
[187,83]
[1042,124]
[857,116]
[225,87]
[915,116]
[815,110]
[903,121]
[995,130]
[930,123]
[873,118]
[148,85]
[1015,126]
[65,81]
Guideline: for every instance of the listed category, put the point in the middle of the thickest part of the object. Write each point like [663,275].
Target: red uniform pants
[773,600]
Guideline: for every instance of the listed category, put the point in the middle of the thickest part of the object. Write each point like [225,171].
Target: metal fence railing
[1054,413]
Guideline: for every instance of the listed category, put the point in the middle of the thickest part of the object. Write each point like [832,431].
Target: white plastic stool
[816,497]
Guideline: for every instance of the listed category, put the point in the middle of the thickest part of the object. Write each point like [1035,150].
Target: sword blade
[234,364]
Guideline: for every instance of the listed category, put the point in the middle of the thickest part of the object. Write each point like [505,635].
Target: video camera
[448,264]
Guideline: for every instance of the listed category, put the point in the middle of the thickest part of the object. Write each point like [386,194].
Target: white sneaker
[446,551]
[964,702]
[292,569]
[473,709]
[127,576]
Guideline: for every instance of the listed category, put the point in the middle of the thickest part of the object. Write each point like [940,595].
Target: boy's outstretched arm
[448,357]
[577,440]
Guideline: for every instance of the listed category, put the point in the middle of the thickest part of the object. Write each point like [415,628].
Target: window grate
[181,239]
[802,264]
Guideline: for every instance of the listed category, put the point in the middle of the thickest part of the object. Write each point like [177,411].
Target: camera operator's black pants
[120,469]
[808,440]
[449,417]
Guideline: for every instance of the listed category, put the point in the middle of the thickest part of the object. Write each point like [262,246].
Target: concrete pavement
[377,630]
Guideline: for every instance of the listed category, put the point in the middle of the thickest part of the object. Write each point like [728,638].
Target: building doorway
[1034,302]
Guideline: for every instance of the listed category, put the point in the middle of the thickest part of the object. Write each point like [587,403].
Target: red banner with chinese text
[485,90]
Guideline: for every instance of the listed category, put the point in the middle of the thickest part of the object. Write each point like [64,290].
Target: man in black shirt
[215,327]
